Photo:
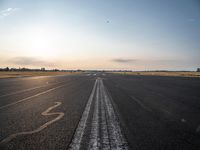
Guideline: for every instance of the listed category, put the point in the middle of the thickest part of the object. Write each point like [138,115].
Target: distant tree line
[78,70]
[42,69]
[21,69]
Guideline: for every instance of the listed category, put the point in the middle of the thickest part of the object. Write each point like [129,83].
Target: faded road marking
[45,113]
[103,129]
[22,100]
[26,90]
[140,103]
[94,135]
[30,89]
[76,142]
[105,141]
[116,137]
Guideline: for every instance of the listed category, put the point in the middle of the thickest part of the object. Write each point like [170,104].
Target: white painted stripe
[94,135]
[28,98]
[105,143]
[105,132]
[77,139]
[117,139]
[26,90]
[45,113]
[21,91]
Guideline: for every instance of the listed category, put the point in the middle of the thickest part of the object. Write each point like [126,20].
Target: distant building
[198,69]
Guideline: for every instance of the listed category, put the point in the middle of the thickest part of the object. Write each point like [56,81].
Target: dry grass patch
[164,73]
[12,74]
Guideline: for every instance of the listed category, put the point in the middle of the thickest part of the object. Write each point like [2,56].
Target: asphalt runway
[100,111]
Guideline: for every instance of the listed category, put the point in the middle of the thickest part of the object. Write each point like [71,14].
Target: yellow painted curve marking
[45,113]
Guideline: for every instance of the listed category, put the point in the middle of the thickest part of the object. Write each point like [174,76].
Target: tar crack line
[45,113]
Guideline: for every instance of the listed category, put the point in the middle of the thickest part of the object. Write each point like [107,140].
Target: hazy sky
[100,34]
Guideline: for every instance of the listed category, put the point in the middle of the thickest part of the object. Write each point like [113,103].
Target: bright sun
[41,42]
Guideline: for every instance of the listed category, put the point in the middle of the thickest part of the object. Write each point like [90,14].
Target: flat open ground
[100,111]
[163,73]
[12,74]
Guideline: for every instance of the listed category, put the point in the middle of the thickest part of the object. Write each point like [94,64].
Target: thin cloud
[29,61]
[8,12]
[148,61]
[124,60]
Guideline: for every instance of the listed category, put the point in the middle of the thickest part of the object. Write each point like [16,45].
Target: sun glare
[41,42]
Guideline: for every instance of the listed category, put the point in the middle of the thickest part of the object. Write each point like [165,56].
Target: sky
[100,34]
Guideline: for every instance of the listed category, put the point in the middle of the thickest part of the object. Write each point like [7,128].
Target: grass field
[164,73]
[12,74]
